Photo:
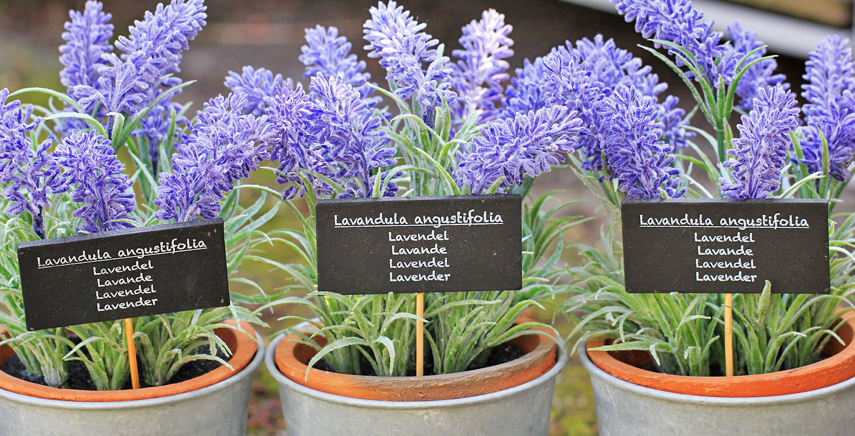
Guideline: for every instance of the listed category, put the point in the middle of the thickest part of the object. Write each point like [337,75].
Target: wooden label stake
[132,353]
[728,334]
[420,335]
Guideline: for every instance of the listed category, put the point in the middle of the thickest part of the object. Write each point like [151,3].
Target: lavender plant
[444,137]
[777,155]
[61,175]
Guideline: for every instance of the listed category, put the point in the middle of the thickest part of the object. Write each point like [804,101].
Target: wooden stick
[132,353]
[728,334]
[420,335]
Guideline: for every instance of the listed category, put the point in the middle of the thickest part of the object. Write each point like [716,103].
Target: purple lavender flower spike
[223,146]
[328,54]
[258,85]
[678,22]
[28,175]
[761,75]
[635,155]
[566,83]
[525,92]
[292,139]
[527,145]
[482,68]
[101,184]
[830,77]
[155,126]
[87,37]
[612,66]
[152,50]
[402,46]
[349,135]
[760,153]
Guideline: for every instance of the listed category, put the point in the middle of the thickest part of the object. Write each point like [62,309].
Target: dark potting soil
[79,379]
[497,355]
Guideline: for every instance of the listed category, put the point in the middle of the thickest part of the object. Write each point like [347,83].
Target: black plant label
[726,246]
[426,244]
[124,274]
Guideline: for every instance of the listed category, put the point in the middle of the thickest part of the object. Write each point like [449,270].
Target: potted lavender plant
[782,386]
[450,135]
[61,176]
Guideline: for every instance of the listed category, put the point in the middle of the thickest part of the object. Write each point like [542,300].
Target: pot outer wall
[625,408]
[217,410]
[520,411]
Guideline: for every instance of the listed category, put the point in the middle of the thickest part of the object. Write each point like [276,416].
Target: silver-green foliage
[164,342]
[460,327]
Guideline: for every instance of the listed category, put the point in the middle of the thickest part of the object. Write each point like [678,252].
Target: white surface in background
[783,34]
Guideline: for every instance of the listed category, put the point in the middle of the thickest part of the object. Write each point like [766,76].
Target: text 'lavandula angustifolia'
[101,184]
[760,153]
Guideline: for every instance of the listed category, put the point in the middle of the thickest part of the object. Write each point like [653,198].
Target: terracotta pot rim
[244,351]
[273,368]
[823,374]
[540,359]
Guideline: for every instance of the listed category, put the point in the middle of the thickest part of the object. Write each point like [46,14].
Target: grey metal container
[625,408]
[520,411]
[217,410]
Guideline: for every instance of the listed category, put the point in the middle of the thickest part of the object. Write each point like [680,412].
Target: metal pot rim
[595,371]
[269,361]
[153,402]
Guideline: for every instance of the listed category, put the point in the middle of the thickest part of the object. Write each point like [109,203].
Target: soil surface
[79,379]
[498,355]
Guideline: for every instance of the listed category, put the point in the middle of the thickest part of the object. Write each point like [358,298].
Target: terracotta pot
[836,369]
[243,348]
[214,405]
[292,357]
[523,409]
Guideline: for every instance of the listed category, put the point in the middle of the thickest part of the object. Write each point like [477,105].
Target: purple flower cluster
[479,73]
[678,22]
[101,184]
[87,38]
[30,174]
[257,85]
[830,108]
[761,75]
[584,78]
[153,49]
[292,139]
[525,92]
[223,146]
[635,155]
[526,145]
[328,54]
[402,46]
[760,153]
[332,133]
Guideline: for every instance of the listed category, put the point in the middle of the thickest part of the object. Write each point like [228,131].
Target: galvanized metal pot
[519,411]
[217,410]
[625,408]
